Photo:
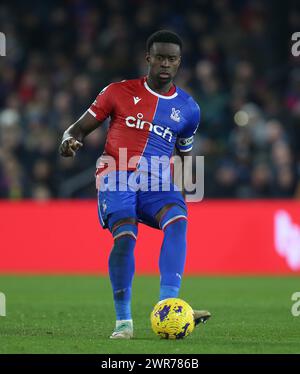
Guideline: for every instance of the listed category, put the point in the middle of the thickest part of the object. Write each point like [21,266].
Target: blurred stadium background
[237,63]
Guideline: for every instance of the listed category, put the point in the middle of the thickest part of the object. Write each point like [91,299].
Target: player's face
[163,61]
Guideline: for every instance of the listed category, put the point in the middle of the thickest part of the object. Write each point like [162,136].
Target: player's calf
[121,271]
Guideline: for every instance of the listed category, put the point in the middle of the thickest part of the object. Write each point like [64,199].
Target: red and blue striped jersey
[144,122]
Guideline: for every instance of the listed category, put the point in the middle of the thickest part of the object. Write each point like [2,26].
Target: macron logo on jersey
[136,99]
[138,123]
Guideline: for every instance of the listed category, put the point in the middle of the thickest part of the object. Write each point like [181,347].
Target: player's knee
[124,234]
[177,228]
[176,232]
[125,228]
[174,218]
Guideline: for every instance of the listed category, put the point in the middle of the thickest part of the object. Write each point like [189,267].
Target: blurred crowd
[236,63]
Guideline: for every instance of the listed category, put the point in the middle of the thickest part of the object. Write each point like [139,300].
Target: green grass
[74,314]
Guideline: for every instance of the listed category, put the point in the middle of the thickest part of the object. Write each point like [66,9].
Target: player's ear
[148,58]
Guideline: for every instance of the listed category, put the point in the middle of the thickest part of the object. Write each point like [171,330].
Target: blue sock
[168,291]
[121,271]
[172,259]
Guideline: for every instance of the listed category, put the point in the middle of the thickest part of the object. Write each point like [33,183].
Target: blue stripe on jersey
[163,135]
[175,118]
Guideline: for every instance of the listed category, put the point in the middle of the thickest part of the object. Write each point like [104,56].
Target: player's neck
[157,87]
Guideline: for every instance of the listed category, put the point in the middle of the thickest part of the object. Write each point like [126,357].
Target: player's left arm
[186,164]
[185,140]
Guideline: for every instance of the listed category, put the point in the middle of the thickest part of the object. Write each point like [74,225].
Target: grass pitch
[74,314]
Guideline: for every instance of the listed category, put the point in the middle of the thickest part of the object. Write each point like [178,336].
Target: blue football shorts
[125,200]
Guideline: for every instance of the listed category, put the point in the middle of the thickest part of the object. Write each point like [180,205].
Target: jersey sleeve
[102,107]
[185,138]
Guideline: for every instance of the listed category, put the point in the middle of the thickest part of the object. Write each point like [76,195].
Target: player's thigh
[152,206]
[114,206]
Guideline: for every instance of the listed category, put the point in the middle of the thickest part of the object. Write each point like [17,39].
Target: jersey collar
[157,94]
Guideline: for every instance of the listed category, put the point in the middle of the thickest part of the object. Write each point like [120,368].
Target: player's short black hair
[163,36]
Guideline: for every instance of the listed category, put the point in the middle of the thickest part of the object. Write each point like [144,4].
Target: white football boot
[123,330]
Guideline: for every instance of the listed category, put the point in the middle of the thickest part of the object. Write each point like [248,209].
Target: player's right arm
[101,108]
[74,135]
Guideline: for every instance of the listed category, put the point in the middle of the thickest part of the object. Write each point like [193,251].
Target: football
[172,318]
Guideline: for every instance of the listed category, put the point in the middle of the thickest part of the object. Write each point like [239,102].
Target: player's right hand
[69,147]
